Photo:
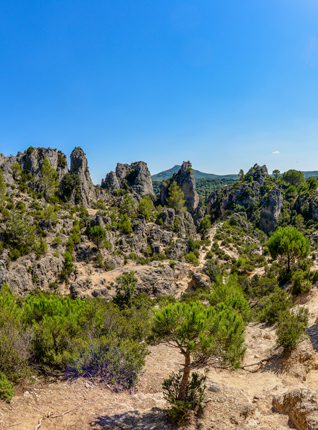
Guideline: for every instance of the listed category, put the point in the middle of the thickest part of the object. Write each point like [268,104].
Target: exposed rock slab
[301,405]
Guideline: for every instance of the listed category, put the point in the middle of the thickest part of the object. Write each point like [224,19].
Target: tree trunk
[288,263]
[186,374]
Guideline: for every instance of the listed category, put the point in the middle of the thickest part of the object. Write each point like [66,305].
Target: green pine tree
[175,198]
[290,244]
[48,180]
[199,333]
[98,235]
[3,188]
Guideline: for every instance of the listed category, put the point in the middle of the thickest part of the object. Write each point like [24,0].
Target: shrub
[195,392]
[212,270]
[274,305]
[6,390]
[118,363]
[125,289]
[191,258]
[68,265]
[300,285]
[231,293]
[291,328]
[124,224]
[99,261]
[15,254]
[62,162]
[172,264]
[20,206]
[108,267]
[59,325]
[41,247]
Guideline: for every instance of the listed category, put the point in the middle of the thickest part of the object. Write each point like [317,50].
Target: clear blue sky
[221,83]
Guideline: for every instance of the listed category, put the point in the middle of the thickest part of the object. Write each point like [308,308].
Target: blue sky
[223,84]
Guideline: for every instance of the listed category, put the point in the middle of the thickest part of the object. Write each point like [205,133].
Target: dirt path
[203,252]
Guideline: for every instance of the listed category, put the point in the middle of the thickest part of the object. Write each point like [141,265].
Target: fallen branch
[198,364]
[247,365]
[64,413]
[39,425]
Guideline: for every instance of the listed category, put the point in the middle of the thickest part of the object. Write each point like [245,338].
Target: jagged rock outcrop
[79,167]
[301,405]
[271,209]
[2,273]
[186,182]
[111,182]
[260,199]
[314,238]
[32,160]
[307,204]
[26,276]
[243,194]
[136,176]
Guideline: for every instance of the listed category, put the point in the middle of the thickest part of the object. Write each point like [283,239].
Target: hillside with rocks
[84,269]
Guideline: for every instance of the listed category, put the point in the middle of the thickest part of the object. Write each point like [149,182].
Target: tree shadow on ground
[280,364]
[312,332]
[155,419]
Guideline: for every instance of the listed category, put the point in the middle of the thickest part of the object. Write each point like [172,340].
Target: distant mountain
[197,174]
[313,174]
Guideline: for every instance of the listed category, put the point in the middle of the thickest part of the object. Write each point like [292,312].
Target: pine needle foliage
[199,333]
[290,244]
[48,180]
[98,235]
[175,198]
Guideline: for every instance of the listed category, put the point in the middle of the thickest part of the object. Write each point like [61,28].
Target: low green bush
[300,285]
[6,390]
[195,393]
[273,305]
[291,328]
[191,258]
[118,363]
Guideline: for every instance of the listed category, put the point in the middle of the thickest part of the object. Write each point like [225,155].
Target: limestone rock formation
[79,167]
[251,194]
[308,203]
[111,182]
[2,273]
[166,217]
[302,407]
[186,182]
[271,209]
[136,176]
[32,160]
